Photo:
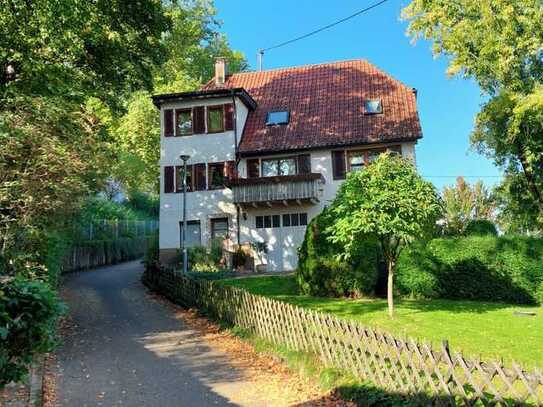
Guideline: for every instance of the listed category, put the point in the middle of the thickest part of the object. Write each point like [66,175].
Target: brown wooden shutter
[168,123]
[199,118]
[229,116]
[199,177]
[304,164]
[338,164]
[253,168]
[169,179]
[230,170]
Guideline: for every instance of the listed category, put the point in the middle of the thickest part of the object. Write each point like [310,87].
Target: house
[268,150]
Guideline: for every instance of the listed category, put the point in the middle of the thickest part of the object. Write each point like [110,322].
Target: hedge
[319,271]
[28,314]
[487,268]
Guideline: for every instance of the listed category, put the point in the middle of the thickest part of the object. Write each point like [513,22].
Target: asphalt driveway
[123,348]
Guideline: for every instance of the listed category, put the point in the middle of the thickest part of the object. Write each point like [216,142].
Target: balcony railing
[300,188]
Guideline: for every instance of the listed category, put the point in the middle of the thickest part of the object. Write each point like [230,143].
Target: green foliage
[487,268]
[498,43]
[481,227]
[202,260]
[28,314]
[464,203]
[320,271]
[387,202]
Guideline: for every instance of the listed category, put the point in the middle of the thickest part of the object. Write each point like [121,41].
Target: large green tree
[499,43]
[388,201]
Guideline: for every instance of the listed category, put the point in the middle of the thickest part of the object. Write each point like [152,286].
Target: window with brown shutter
[229,116]
[230,170]
[253,168]
[183,122]
[199,177]
[168,123]
[179,178]
[338,164]
[304,164]
[215,119]
[169,179]
[216,178]
[199,119]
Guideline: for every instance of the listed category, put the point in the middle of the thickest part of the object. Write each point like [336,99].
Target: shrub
[201,260]
[321,273]
[488,268]
[481,227]
[152,258]
[28,313]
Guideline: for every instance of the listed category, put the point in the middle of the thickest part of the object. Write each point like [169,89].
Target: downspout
[238,232]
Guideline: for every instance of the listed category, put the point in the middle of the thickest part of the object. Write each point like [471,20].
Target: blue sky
[447,106]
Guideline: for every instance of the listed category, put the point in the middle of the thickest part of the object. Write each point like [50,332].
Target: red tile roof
[326,104]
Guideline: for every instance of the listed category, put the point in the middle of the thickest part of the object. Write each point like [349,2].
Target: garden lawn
[476,328]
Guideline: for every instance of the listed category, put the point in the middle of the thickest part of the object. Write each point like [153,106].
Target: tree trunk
[390,288]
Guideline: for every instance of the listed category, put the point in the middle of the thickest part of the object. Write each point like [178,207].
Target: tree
[389,202]
[464,203]
[499,43]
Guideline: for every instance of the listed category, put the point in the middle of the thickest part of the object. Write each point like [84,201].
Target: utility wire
[324,28]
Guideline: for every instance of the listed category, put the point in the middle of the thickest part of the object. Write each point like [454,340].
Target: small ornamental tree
[389,202]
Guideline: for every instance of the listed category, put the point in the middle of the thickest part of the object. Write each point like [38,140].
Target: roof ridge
[303,66]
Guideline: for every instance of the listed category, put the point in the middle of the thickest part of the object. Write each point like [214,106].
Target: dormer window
[277,117]
[373,106]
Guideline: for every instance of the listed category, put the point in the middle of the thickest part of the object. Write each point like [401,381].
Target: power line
[323,28]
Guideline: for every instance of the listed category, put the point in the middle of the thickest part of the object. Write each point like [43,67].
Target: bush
[320,273]
[28,314]
[481,227]
[201,260]
[152,252]
[487,268]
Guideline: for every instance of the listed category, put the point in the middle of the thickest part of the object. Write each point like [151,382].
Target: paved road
[126,349]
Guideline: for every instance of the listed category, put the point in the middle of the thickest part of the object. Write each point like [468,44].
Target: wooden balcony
[298,189]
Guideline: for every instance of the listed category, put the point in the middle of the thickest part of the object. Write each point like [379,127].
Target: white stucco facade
[205,205]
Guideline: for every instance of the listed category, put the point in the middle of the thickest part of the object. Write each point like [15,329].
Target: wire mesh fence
[104,229]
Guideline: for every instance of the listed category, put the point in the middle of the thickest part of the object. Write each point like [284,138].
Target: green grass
[476,328]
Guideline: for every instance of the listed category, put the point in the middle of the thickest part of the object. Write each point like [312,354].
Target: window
[373,106]
[269,168]
[184,122]
[278,117]
[294,219]
[359,159]
[253,170]
[267,221]
[215,119]
[281,166]
[193,233]
[286,219]
[216,176]
[179,178]
[219,228]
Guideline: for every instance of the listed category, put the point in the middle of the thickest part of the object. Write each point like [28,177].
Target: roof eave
[324,146]
[247,100]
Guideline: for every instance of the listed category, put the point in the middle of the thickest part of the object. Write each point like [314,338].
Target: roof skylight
[277,117]
[373,106]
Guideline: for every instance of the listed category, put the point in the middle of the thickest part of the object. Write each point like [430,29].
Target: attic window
[373,106]
[277,117]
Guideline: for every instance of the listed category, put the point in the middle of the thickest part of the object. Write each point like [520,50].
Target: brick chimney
[220,71]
